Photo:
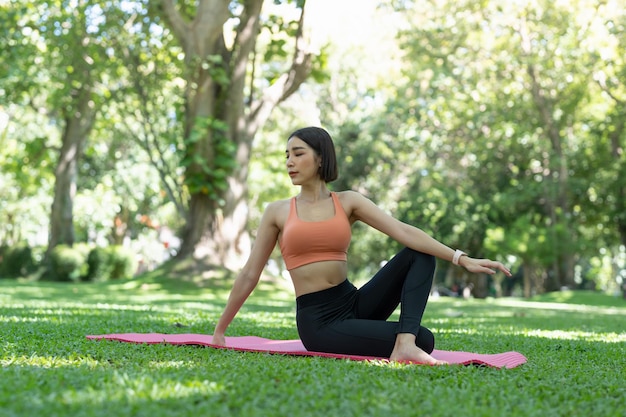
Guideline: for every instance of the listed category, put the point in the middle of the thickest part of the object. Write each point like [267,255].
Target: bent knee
[428,261]
[425,340]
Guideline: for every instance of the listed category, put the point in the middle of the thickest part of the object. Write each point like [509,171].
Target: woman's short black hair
[321,142]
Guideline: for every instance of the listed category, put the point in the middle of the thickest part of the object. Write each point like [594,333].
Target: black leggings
[344,319]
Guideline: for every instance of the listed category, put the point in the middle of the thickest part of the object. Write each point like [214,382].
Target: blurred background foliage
[496,126]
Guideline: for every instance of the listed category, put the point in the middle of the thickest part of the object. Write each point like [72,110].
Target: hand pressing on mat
[218,340]
[313,230]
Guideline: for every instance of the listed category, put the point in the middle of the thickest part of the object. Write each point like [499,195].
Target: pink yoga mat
[295,347]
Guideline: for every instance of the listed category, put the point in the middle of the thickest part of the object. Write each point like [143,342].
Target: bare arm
[248,277]
[366,211]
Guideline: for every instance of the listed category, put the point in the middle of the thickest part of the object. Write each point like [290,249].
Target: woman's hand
[485,266]
[218,339]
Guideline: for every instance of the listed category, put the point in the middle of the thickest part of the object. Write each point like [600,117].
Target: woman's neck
[314,192]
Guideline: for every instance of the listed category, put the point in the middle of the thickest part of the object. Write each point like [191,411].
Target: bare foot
[405,350]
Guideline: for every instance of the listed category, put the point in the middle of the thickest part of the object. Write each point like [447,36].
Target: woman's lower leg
[415,292]
[407,350]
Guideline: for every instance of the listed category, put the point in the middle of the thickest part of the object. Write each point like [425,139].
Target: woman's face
[302,162]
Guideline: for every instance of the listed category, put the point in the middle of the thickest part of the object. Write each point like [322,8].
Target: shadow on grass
[155,288]
[589,298]
[575,357]
[56,311]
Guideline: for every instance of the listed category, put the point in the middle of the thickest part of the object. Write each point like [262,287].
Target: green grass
[576,357]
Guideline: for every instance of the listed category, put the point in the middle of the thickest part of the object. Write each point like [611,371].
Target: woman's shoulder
[278,204]
[351,201]
[359,207]
[278,207]
[349,196]
[275,213]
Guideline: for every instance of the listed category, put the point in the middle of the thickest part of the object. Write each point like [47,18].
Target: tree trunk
[216,230]
[79,114]
[219,235]
[77,127]
[617,151]
[557,203]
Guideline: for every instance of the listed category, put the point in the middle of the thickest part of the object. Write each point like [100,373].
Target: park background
[497,127]
[141,139]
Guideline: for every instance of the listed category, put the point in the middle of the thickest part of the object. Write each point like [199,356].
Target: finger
[487,270]
[504,269]
[497,266]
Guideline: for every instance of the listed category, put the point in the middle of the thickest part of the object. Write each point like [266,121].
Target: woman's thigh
[355,337]
[380,296]
[364,337]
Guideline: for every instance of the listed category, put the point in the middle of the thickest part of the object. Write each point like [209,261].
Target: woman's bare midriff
[318,276]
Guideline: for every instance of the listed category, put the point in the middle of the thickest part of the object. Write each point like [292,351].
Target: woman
[313,232]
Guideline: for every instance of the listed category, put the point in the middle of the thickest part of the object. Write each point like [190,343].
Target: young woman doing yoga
[313,232]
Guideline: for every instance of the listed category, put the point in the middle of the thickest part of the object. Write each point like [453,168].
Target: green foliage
[278,46]
[217,70]
[16,261]
[26,158]
[124,262]
[501,127]
[456,143]
[372,160]
[124,64]
[208,173]
[48,367]
[99,265]
[111,262]
[66,264]
[113,168]
[587,298]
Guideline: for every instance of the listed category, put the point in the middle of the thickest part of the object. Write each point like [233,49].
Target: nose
[289,162]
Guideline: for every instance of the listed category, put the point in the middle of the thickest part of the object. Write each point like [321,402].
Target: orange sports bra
[304,242]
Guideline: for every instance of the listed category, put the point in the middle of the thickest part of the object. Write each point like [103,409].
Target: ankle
[405,338]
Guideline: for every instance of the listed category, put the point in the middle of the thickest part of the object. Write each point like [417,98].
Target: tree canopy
[496,126]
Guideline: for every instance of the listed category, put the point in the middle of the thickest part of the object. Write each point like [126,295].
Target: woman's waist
[340,292]
[318,276]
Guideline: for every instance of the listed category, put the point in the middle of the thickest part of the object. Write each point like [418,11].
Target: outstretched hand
[485,266]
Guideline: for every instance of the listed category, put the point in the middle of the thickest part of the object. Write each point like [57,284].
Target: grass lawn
[576,357]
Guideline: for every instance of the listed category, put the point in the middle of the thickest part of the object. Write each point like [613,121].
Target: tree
[64,82]
[75,100]
[225,105]
[25,154]
[506,99]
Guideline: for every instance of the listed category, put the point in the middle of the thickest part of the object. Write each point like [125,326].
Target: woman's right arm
[248,278]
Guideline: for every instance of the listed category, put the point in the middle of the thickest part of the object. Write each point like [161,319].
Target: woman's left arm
[363,209]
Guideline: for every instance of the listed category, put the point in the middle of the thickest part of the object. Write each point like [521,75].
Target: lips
[293,173]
